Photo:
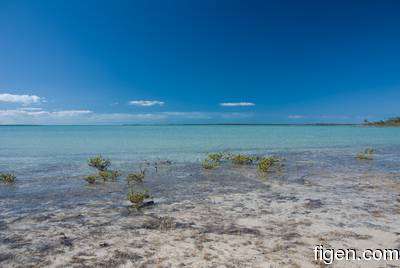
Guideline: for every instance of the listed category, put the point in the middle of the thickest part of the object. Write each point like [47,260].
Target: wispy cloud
[296,116]
[21,99]
[236,104]
[32,109]
[31,115]
[71,113]
[146,103]
[329,117]
[189,115]
[38,116]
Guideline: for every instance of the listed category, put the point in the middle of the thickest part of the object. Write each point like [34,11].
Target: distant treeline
[391,122]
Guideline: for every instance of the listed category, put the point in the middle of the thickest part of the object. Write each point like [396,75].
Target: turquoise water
[181,143]
[50,161]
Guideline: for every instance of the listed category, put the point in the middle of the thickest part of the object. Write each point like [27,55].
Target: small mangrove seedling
[265,163]
[367,154]
[137,198]
[91,179]
[216,157]
[109,174]
[99,162]
[209,164]
[242,159]
[136,176]
[7,178]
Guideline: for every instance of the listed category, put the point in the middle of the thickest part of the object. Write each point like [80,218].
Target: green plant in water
[136,176]
[209,164]
[216,157]
[7,177]
[99,162]
[242,159]
[109,174]
[265,163]
[137,198]
[91,179]
[367,154]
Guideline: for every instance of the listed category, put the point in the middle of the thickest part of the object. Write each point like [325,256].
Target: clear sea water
[181,143]
[50,161]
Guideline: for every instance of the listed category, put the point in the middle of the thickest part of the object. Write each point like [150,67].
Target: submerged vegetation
[367,154]
[7,178]
[136,176]
[391,122]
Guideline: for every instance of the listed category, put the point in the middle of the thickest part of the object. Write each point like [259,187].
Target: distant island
[391,122]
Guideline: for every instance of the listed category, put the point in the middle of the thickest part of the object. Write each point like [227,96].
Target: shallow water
[50,161]
[50,193]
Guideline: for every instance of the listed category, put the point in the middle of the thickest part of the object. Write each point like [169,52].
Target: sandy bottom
[276,225]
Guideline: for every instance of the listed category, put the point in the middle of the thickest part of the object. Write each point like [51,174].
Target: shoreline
[228,217]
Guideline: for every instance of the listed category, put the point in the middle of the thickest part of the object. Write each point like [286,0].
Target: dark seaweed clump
[7,178]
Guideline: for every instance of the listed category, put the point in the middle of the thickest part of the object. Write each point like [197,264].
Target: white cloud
[235,115]
[146,103]
[71,113]
[189,115]
[236,104]
[330,117]
[32,109]
[38,116]
[22,99]
[334,117]
[296,116]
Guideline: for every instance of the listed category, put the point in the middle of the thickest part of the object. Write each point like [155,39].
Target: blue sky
[98,62]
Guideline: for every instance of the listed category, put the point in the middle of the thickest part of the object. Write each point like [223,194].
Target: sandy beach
[259,221]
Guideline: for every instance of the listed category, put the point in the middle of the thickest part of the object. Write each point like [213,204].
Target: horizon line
[195,124]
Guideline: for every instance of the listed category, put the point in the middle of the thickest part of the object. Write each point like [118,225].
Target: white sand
[277,227]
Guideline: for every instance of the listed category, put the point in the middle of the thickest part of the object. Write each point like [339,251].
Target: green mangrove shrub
[213,160]
[242,159]
[7,178]
[137,198]
[209,164]
[367,154]
[109,174]
[102,166]
[265,163]
[91,178]
[136,176]
[99,162]
[216,157]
